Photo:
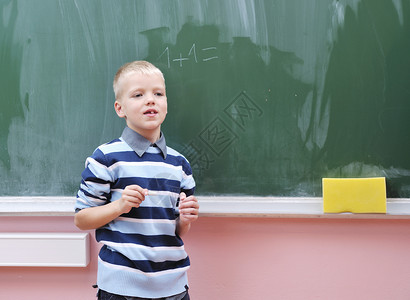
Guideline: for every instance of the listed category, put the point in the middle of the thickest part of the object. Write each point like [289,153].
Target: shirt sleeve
[188,182]
[95,187]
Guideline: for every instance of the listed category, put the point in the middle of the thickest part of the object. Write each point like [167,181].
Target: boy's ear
[118,109]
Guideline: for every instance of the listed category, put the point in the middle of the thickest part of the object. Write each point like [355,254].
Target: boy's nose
[150,99]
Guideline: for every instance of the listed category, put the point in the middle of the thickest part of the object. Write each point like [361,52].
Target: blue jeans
[103,295]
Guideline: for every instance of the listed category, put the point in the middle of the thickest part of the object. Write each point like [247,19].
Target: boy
[129,193]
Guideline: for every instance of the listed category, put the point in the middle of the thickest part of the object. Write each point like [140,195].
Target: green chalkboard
[265,97]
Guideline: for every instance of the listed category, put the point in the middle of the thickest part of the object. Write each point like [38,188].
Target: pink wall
[250,258]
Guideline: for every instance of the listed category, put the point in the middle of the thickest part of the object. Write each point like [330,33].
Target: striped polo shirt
[141,254]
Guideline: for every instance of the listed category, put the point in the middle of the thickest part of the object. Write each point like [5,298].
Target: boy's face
[143,103]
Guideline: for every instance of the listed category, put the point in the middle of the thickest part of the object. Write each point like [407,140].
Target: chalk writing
[193,51]
[207,54]
[209,49]
[180,59]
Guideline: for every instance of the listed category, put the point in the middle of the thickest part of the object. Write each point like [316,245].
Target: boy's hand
[188,209]
[132,196]
[98,216]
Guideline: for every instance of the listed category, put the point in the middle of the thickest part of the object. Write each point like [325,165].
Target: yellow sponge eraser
[356,195]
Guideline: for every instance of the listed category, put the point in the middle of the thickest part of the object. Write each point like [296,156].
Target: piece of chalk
[355,195]
[153,193]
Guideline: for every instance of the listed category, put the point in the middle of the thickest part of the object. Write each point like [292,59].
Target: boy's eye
[159,94]
[137,95]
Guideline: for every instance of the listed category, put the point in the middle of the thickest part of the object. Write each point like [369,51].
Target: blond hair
[139,67]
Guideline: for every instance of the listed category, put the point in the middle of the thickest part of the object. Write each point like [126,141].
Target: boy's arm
[188,213]
[98,216]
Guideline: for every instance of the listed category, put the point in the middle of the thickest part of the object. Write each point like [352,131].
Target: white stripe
[99,170]
[91,185]
[144,164]
[79,199]
[150,274]
[158,193]
[86,199]
[165,193]
[117,246]
[153,150]
[118,146]
[90,189]
[92,161]
[185,176]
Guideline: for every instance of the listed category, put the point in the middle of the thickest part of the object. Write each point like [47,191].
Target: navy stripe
[87,175]
[180,161]
[188,192]
[155,213]
[156,184]
[92,196]
[132,156]
[99,156]
[103,196]
[144,265]
[103,234]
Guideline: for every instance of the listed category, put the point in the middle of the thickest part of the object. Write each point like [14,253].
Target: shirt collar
[140,144]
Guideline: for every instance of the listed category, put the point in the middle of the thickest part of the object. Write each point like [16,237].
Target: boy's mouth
[150,112]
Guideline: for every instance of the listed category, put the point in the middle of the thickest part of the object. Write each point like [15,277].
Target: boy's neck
[153,139]
[151,136]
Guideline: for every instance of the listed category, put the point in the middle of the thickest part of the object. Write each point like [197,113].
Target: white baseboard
[45,249]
